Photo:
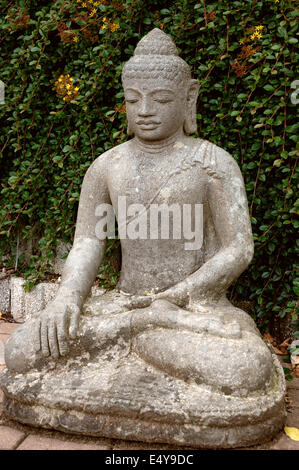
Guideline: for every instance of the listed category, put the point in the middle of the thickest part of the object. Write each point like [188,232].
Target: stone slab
[35,442]
[17,299]
[10,438]
[25,304]
[5,295]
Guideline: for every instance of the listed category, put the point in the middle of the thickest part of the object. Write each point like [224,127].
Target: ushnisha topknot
[156,56]
[156,43]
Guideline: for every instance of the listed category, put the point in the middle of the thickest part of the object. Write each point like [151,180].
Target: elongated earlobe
[190,123]
[129,132]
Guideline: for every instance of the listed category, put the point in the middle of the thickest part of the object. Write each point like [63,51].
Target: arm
[60,319]
[83,261]
[228,204]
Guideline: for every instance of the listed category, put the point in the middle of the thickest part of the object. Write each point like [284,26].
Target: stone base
[127,399]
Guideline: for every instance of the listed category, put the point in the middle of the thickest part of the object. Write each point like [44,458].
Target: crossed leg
[201,348]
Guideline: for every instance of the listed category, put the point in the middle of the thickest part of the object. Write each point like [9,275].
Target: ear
[190,125]
[129,132]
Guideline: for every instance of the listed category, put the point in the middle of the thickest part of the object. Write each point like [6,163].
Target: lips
[147,125]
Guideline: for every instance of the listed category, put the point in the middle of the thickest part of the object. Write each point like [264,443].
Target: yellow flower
[76,88]
[104,26]
[256,35]
[259,28]
[75,38]
[68,86]
[69,92]
[84,4]
[93,12]
[60,79]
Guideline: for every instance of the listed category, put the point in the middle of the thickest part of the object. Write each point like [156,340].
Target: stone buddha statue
[165,357]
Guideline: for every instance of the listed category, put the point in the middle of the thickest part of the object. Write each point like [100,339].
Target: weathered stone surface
[18,299]
[105,390]
[99,400]
[4,295]
[25,304]
[165,357]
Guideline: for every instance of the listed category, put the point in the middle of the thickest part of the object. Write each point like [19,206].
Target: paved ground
[20,437]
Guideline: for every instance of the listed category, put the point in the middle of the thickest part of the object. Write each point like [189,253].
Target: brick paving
[33,442]
[14,436]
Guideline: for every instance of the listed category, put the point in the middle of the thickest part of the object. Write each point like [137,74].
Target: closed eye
[163,100]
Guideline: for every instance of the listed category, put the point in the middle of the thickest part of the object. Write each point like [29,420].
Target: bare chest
[154,182]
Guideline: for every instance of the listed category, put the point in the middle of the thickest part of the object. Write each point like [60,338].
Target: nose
[146,108]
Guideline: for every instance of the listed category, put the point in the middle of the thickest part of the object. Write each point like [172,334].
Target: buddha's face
[155,108]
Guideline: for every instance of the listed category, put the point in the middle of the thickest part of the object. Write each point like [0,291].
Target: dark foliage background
[242,52]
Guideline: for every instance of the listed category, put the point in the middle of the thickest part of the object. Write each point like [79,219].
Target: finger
[36,336]
[52,338]
[44,337]
[62,336]
[74,321]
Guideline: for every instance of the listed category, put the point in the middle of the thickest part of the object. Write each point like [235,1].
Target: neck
[159,146]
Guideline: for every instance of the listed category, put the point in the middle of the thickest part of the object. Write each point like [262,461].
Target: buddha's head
[160,94]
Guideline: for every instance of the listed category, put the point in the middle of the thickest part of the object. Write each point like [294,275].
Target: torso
[154,264]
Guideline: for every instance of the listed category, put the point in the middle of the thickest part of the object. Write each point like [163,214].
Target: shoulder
[104,162]
[216,160]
